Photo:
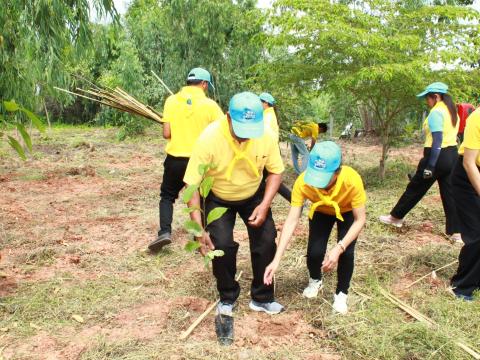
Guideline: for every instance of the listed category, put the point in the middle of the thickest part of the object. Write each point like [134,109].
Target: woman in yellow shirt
[439,156]
[337,196]
[466,192]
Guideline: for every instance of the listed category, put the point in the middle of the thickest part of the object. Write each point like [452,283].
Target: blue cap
[436,87]
[201,74]
[325,158]
[246,112]
[268,98]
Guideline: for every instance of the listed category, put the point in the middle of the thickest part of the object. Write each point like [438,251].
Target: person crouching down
[240,149]
[337,195]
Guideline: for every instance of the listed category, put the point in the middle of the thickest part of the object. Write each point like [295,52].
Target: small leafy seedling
[204,188]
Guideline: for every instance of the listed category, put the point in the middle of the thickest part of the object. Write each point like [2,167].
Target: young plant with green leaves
[14,110]
[197,230]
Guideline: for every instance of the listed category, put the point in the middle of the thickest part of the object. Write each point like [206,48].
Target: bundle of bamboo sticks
[426,320]
[118,99]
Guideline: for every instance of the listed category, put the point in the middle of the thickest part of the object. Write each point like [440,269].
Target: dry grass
[73,243]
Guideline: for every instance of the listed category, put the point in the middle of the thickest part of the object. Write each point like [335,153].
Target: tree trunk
[366,116]
[383,159]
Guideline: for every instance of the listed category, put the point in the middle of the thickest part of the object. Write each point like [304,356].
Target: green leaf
[193,228]
[17,147]
[11,106]
[191,246]
[25,136]
[35,119]
[188,193]
[206,186]
[217,253]
[206,261]
[203,168]
[216,214]
[189,210]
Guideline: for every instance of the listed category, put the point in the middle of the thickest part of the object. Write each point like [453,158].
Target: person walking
[338,197]
[242,150]
[185,115]
[466,192]
[439,156]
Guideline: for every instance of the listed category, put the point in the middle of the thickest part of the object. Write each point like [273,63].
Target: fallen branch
[192,327]
[430,273]
[425,320]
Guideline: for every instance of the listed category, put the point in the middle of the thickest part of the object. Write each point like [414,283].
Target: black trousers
[467,278]
[418,187]
[283,190]
[320,228]
[262,248]
[173,172]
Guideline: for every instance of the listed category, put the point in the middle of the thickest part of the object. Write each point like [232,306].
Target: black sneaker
[160,242]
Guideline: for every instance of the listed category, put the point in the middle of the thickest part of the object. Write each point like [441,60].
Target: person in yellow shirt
[337,196]
[185,116]
[466,192]
[271,123]
[243,148]
[439,156]
[299,133]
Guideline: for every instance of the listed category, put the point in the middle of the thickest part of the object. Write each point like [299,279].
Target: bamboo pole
[161,81]
[192,327]
[427,275]
[426,320]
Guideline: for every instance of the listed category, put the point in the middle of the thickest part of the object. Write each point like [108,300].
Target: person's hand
[258,216]
[206,243]
[427,174]
[331,259]
[270,272]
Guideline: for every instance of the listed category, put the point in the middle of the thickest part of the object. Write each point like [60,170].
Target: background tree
[380,52]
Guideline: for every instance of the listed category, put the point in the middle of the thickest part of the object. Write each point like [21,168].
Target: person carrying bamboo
[338,197]
[243,148]
[185,115]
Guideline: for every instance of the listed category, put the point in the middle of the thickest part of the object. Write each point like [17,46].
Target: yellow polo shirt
[439,119]
[189,112]
[271,122]
[471,135]
[350,194]
[234,180]
[304,131]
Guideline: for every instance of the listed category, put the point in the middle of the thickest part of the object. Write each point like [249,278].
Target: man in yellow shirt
[466,192]
[337,196]
[243,148]
[299,133]
[185,116]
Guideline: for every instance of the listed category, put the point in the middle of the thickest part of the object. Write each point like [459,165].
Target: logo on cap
[320,164]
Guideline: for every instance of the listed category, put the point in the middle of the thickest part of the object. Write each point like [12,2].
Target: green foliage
[380,52]
[15,111]
[192,227]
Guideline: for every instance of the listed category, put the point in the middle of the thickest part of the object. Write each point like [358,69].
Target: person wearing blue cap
[338,196]
[299,133]
[271,124]
[185,116]
[439,156]
[240,149]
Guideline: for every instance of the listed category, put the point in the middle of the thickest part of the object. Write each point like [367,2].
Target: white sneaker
[390,220]
[314,286]
[456,238]
[340,303]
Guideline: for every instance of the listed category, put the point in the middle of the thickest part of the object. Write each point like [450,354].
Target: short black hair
[194,81]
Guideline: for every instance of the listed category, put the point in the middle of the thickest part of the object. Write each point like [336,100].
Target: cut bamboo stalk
[427,275]
[426,320]
[161,81]
[192,327]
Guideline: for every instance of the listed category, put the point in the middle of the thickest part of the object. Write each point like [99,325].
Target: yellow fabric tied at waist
[326,200]
[239,155]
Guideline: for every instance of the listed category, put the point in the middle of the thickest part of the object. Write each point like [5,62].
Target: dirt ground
[76,281]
